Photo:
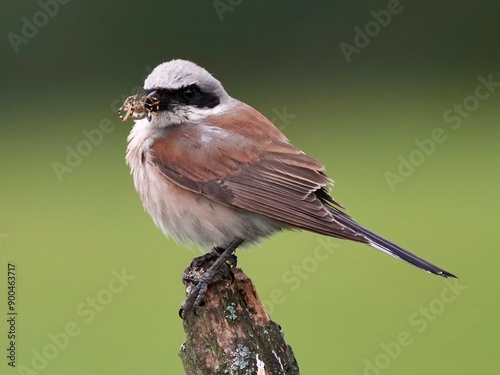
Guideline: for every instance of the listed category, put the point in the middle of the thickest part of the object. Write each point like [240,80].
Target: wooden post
[232,333]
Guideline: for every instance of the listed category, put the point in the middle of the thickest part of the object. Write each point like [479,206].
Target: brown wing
[249,164]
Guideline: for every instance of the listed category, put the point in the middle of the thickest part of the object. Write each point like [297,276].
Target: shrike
[214,172]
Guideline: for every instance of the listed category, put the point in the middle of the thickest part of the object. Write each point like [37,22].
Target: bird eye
[189,93]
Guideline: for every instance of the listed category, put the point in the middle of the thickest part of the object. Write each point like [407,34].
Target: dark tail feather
[388,247]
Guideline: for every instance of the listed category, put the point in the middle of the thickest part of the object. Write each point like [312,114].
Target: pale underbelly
[192,218]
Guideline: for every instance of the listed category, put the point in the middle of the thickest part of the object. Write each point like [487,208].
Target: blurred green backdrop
[354,311]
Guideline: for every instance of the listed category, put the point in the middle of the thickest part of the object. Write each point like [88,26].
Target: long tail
[388,247]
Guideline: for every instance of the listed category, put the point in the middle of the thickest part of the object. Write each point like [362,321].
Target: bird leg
[200,277]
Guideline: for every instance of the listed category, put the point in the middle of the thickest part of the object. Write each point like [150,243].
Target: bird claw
[194,299]
[204,270]
[197,277]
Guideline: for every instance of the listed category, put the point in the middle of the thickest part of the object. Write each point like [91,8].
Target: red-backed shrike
[213,171]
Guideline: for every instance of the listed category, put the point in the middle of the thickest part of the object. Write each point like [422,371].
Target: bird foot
[204,270]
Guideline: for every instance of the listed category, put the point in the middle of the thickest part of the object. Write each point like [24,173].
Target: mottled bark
[232,333]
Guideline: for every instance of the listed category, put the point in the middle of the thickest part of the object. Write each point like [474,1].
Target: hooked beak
[153,102]
[156,102]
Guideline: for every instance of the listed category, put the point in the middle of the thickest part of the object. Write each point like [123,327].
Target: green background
[66,235]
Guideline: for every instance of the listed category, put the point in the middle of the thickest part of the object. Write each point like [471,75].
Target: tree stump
[232,333]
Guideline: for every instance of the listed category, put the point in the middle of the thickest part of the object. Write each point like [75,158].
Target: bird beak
[152,105]
[156,103]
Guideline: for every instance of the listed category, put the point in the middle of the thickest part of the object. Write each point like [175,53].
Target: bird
[214,172]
